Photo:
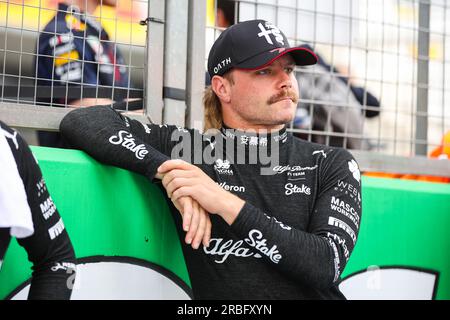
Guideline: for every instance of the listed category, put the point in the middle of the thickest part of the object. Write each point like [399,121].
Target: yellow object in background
[210,13]
[67,57]
[121,23]
[441,152]
[74,23]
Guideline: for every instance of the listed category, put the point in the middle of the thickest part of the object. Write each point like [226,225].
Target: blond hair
[213,110]
[213,107]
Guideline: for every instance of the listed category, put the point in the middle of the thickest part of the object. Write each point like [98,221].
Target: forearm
[301,255]
[106,136]
[53,281]
[232,206]
[87,102]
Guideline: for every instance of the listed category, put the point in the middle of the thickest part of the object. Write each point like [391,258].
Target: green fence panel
[107,211]
[112,212]
[405,224]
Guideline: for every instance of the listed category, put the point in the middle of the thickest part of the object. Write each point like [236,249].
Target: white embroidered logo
[127,141]
[272,29]
[222,164]
[225,249]
[281,224]
[222,64]
[320,152]
[256,240]
[230,248]
[292,188]
[353,167]
[223,167]
[63,266]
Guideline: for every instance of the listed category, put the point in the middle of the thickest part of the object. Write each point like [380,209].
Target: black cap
[252,45]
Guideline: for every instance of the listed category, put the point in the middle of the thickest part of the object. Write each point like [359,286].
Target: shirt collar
[253,138]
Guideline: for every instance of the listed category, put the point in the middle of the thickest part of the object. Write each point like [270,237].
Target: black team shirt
[297,229]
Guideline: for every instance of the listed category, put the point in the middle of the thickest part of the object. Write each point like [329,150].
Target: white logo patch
[341,224]
[222,64]
[294,173]
[41,187]
[63,266]
[354,169]
[345,209]
[227,187]
[56,230]
[256,240]
[48,208]
[219,248]
[230,248]
[320,152]
[271,29]
[281,224]
[127,141]
[292,188]
[223,167]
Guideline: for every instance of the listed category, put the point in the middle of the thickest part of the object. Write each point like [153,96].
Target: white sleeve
[14,210]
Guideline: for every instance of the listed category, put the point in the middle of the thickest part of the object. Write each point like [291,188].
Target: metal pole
[175,62]
[422,78]
[154,61]
[195,81]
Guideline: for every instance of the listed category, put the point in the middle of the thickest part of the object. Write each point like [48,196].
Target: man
[280,229]
[74,49]
[28,213]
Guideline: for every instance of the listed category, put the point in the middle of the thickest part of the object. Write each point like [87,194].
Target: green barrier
[107,211]
[110,212]
[405,225]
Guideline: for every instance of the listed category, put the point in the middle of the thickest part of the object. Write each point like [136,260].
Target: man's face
[267,96]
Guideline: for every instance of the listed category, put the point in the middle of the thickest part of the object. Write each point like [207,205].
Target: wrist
[231,205]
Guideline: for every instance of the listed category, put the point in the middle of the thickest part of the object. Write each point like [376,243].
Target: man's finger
[178,183]
[187,214]
[200,230]
[193,226]
[174,164]
[181,192]
[173,174]
[207,235]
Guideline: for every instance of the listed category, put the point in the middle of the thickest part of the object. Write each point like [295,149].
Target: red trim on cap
[280,55]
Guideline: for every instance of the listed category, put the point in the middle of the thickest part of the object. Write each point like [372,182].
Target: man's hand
[196,221]
[181,179]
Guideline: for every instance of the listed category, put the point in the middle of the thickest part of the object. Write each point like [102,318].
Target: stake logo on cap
[253,45]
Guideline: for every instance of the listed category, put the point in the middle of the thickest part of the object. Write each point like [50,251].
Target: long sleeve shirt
[302,211]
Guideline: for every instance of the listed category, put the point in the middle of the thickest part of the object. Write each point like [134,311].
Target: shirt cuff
[240,226]
[154,163]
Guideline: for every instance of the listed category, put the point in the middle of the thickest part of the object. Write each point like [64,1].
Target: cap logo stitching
[222,64]
[271,30]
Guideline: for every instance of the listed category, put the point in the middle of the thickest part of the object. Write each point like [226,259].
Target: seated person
[339,107]
[74,49]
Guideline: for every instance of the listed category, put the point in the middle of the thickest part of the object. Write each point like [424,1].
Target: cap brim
[302,57]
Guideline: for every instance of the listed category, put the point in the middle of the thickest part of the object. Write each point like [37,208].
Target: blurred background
[381,88]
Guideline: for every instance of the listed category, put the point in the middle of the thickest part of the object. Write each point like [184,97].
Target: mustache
[287,93]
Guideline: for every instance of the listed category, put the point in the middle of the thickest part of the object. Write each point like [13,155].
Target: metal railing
[394,50]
